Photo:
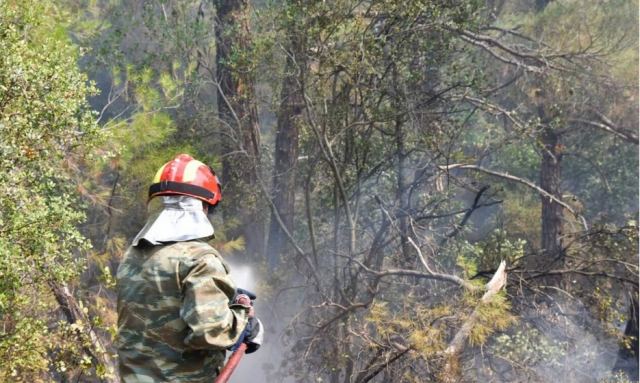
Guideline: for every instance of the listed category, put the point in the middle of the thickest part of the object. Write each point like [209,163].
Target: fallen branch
[497,282]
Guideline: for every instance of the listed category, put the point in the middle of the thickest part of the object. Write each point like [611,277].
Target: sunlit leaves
[44,122]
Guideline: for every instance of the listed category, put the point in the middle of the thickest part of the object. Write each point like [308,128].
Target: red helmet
[186,176]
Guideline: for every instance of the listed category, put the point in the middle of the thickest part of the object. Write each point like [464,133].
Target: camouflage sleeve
[207,290]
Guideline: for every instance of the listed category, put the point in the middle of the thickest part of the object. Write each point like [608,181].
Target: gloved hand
[254,334]
[244,301]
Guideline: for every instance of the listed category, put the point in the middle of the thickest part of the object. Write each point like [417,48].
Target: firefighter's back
[151,331]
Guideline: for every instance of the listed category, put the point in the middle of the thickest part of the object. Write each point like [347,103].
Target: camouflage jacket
[174,318]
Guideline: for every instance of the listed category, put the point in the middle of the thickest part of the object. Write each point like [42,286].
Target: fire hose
[231,365]
[239,349]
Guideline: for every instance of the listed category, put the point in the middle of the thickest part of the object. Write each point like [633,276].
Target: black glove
[254,334]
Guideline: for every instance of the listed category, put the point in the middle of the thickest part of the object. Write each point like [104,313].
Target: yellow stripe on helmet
[156,179]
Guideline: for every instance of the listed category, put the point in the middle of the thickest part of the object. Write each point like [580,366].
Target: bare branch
[384,365]
[466,217]
[495,110]
[522,181]
[292,241]
[417,274]
[609,127]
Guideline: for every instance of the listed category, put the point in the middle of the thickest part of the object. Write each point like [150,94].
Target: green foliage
[518,212]
[414,326]
[498,247]
[488,253]
[468,259]
[45,124]
[24,348]
[617,377]
[528,346]
[384,84]
[492,316]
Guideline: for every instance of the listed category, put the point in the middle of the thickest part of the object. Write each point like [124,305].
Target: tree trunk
[402,192]
[238,114]
[402,196]
[551,243]
[286,158]
[550,177]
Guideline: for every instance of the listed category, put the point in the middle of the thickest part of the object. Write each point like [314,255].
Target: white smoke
[562,342]
[260,367]
[243,276]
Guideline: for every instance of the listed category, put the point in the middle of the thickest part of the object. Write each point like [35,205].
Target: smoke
[243,276]
[589,354]
[263,366]
[556,341]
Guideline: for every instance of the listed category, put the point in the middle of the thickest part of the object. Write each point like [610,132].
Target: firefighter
[178,311]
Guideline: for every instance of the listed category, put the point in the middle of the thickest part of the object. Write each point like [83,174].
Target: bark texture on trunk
[286,158]
[402,195]
[239,119]
[550,178]
[551,214]
[402,181]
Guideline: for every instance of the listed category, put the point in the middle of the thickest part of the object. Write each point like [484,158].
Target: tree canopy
[423,191]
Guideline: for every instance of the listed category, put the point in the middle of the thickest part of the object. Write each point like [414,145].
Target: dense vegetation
[379,160]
